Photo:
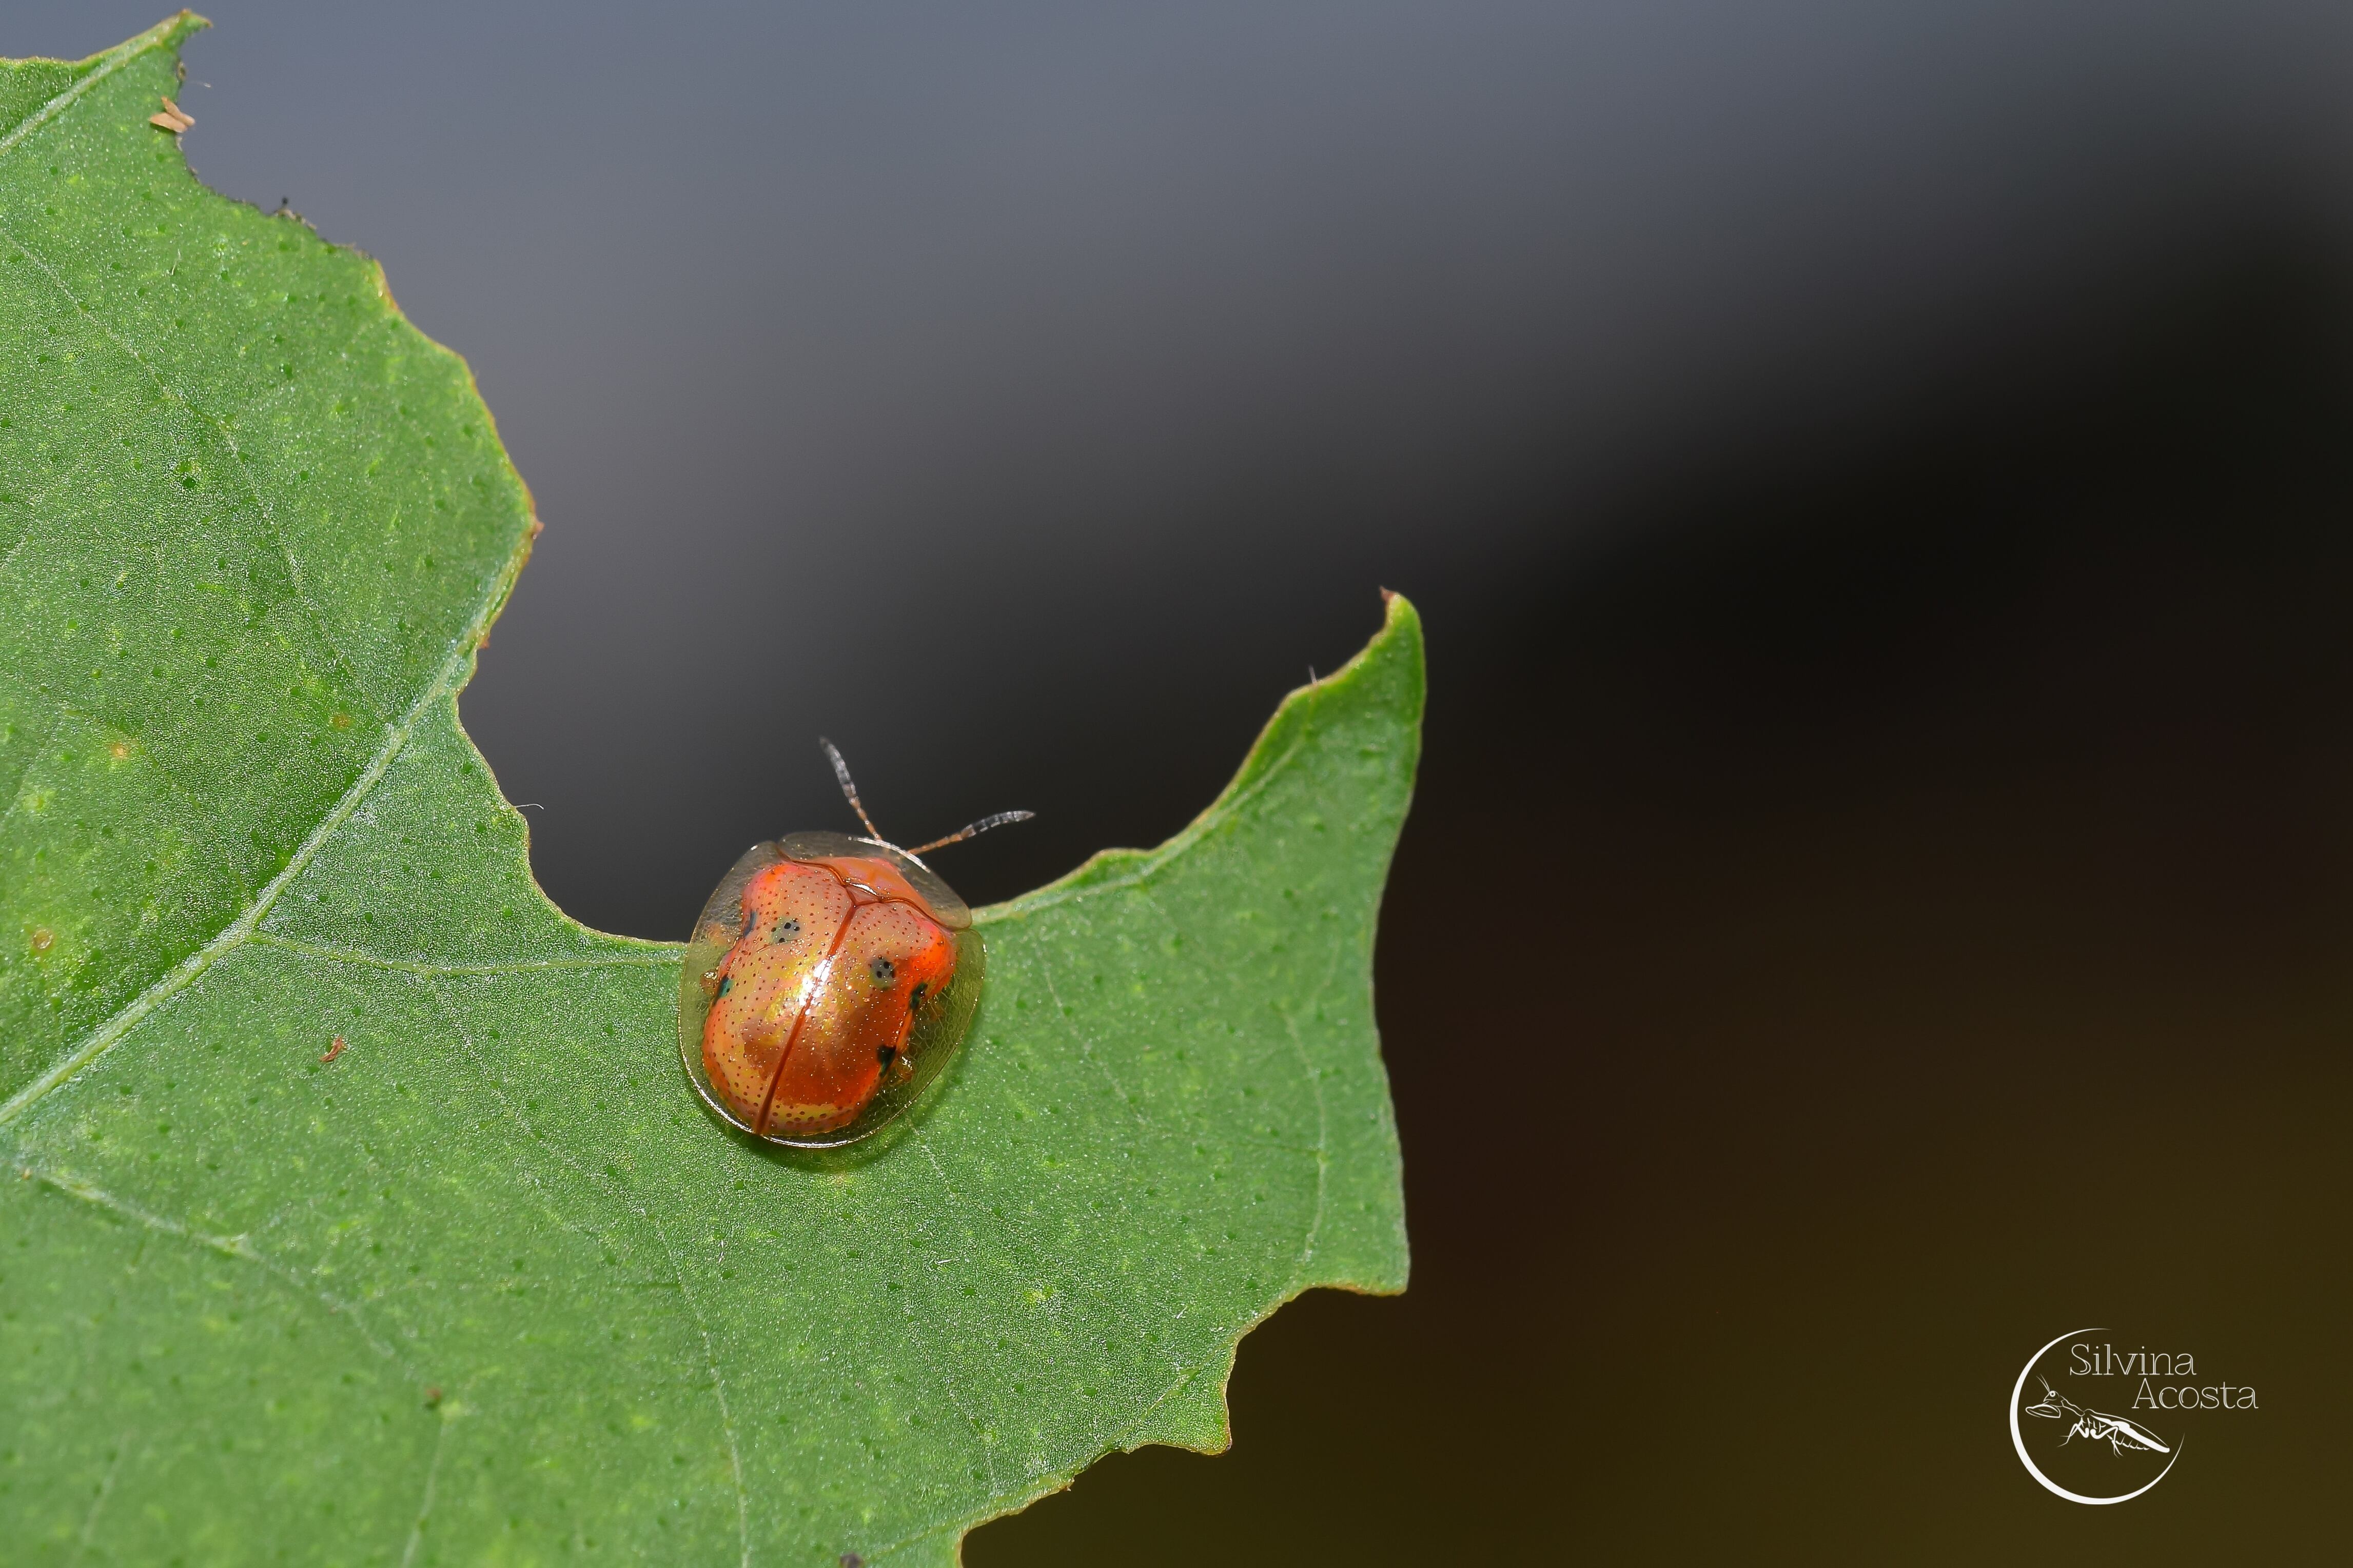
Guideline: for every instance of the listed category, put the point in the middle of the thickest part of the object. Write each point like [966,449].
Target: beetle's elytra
[827,983]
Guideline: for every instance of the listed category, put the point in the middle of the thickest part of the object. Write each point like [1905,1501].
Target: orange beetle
[827,983]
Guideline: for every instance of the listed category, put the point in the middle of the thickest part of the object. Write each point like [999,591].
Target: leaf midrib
[99,1040]
[106,1034]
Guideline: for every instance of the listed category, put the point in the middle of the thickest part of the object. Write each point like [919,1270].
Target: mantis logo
[2122,1437]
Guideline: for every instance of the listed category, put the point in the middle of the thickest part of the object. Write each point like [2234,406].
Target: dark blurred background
[1877,480]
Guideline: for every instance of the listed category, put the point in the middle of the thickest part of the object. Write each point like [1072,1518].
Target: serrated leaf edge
[1256,773]
[1104,871]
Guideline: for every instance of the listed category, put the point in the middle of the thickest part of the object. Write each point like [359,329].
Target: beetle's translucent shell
[826,985]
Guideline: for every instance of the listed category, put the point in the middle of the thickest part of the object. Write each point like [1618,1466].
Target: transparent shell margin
[939,1029]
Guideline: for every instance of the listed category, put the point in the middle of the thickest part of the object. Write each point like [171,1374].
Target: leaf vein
[1323,1149]
[32,506]
[451,1015]
[101,1040]
[220,428]
[652,959]
[718,1387]
[237,1246]
[1086,1046]
[98,1503]
[424,1504]
[113,60]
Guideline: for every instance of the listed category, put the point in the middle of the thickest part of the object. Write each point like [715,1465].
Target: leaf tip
[1392,661]
[178,29]
[1399,618]
[1196,1417]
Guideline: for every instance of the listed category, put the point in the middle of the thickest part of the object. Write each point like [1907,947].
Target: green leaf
[490,1283]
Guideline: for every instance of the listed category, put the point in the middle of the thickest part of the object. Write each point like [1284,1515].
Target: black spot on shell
[789,929]
[885,1055]
[882,971]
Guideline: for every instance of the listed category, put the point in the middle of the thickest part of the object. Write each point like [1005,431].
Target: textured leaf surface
[489,1286]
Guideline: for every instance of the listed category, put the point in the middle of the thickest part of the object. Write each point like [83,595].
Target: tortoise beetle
[828,981]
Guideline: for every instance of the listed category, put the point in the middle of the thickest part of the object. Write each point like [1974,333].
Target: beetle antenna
[850,788]
[982,825]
